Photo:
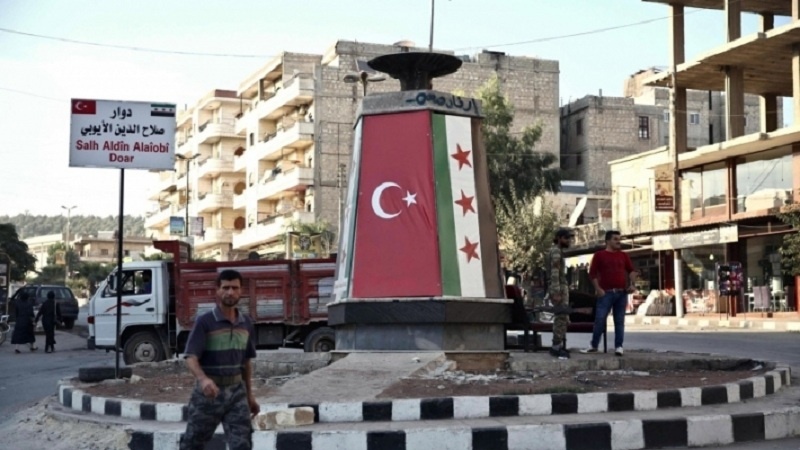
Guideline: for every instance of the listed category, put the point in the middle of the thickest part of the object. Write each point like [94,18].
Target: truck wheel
[144,346]
[69,323]
[320,340]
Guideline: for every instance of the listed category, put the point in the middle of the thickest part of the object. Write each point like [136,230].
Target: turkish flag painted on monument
[396,244]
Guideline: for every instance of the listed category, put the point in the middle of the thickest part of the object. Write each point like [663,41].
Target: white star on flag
[410,198]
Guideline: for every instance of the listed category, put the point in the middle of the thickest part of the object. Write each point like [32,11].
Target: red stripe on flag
[396,244]
[84,106]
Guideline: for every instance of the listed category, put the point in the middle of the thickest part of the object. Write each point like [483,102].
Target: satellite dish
[239,188]
[253,256]
[405,43]
[239,223]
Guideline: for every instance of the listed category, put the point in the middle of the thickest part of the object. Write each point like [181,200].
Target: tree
[790,250]
[515,169]
[15,250]
[92,273]
[49,275]
[527,230]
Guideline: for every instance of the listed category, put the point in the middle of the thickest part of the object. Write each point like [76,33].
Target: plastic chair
[761,298]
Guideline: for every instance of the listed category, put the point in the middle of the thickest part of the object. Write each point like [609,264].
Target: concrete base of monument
[426,324]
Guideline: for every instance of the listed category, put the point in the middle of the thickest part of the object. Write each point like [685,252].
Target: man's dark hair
[612,233]
[51,295]
[228,275]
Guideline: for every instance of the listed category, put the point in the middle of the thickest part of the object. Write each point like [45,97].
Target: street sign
[122,135]
[176,226]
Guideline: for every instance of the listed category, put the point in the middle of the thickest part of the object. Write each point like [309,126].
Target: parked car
[64,297]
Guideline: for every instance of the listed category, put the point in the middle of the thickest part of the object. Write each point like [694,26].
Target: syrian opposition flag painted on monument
[467,233]
[396,241]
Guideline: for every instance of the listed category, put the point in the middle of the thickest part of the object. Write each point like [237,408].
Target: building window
[644,127]
[764,180]
[706,188]
[578,160]
[694,118]
[103,252]
[252,139]
[127,252]
[666,116]
[579,127]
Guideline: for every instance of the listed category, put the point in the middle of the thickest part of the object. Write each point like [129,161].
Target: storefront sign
[665,188]
[719,235]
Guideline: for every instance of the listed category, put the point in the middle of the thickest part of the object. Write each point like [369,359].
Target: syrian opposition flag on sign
[424,222]
[84,106]
[162,110]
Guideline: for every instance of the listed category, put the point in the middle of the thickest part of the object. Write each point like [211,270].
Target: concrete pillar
[796,82]
[677,128]
[795,9]
[734,102]
[768,103]
[733,19]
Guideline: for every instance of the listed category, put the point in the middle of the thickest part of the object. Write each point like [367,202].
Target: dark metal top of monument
[415,70]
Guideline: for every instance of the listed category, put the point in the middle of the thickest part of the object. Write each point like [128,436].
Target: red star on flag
[465,203]
[470,249]
[461,156]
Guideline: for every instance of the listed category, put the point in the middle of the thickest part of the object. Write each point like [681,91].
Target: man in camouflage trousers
[558,289]
[218,353]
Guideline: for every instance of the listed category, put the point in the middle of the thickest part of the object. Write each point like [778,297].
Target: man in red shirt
[613,277]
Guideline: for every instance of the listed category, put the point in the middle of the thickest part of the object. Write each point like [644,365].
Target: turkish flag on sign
[84,106]
[396,246]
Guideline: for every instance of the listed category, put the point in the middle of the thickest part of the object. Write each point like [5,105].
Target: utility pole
[66,243]
[186,216]
[430,42]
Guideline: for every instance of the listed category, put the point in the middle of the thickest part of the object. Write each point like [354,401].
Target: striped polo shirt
[220,346]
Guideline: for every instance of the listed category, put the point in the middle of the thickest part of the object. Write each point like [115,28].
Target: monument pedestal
[415,324]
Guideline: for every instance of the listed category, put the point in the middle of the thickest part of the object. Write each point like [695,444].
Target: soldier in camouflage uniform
[558,289]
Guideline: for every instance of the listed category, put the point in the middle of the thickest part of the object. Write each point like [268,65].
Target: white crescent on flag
[79,106]
[376,200]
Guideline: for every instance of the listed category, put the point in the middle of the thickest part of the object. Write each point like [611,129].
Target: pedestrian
[50,313]
[218,353]
[558,291]
[613,277]
[24,324]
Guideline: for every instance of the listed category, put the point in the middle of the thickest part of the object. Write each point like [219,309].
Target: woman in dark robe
[24,325]
[50,313]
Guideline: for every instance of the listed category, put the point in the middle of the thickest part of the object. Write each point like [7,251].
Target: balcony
[297,91]
[299,135]
[215,129]
[211,167]
[269,229]
[213,236]
[211,202]
[184,145]
[293,179]
[158,219]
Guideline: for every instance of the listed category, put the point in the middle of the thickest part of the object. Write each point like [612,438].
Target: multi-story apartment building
[729,190]
[102,247]
[597,129]
[293,135]
[204,180]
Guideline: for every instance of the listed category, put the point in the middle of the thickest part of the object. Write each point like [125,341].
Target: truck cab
[144,310]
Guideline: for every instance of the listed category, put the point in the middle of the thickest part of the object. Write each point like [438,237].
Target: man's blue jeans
[616,301]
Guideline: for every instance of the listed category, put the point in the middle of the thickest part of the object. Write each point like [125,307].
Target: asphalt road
[30,376]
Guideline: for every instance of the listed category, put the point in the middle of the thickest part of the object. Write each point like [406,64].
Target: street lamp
[186,216]
[364,78]
[66,243]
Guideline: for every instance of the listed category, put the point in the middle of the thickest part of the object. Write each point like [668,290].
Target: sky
[598,44]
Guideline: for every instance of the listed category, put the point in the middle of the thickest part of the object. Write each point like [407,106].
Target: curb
[695,431]
[458,407]
[732,323]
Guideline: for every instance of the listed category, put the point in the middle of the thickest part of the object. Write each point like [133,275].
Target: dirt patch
[170,383]
[453,384]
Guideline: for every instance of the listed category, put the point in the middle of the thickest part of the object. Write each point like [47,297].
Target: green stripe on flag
[451,281]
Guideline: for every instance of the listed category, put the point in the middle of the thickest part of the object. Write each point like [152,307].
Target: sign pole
[119,267]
